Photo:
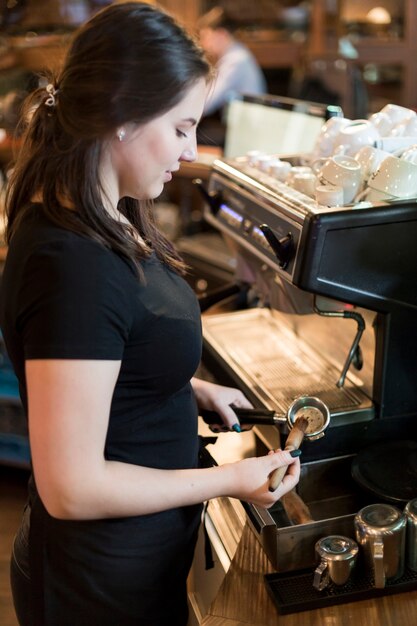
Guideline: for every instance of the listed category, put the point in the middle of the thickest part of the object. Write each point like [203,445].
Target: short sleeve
[74,302]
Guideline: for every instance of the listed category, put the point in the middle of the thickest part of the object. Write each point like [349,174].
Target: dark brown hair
[130,63]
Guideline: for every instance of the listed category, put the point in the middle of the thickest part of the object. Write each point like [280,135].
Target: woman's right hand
[251,478]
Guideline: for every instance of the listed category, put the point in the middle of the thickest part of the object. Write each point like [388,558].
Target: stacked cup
[394,178]
[325,142]
[338,171]
[354,136]
[369,158]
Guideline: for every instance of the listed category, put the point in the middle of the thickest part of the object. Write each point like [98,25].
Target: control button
[283,247]
[247,226]
[259,237]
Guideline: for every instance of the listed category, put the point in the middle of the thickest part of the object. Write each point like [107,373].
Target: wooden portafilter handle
[294,439]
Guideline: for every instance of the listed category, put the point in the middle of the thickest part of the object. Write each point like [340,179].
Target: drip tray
[332,498]
[274,365]
[294,592]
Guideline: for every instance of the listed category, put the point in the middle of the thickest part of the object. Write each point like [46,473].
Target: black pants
[19,572]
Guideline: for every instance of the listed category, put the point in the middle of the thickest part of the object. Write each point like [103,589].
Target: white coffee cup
[295,170]
[355,135]
[382,122]
[410,154]
[340,170]
[324,143]
[369,158]
[395,145]
[397,113]
[407,127]
[329,195]
[305,182]
[410,127]
[395,177]
[280,169]
[264,162]
[253,155]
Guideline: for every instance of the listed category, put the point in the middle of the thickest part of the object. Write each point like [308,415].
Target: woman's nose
[190,153]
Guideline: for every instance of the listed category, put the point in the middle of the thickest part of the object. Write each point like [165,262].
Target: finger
[242,402]
[219,428]
[229,417]
[294,468]
[292,475]
[276,476]
[282,457]
[289,481]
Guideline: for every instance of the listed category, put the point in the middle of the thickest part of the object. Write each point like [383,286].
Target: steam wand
[355,354]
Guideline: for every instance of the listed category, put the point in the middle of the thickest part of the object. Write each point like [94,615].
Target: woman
[104,335]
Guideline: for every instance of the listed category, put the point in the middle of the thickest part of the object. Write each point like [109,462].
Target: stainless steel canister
[411,544]
[381,532]
[337,556]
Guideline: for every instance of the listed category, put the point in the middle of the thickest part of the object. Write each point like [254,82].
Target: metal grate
[271,357]
[294,592]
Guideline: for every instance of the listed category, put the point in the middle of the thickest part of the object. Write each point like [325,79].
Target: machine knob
[283,247]
[213,198]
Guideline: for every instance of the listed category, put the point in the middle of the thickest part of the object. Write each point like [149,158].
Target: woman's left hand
[218,398]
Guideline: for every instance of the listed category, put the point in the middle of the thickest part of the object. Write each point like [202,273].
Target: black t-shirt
[64,296]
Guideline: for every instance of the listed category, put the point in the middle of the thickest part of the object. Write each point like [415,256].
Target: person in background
[104,335]
[237,70]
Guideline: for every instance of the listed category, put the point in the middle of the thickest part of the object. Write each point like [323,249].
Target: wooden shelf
[380,51]
[277,54]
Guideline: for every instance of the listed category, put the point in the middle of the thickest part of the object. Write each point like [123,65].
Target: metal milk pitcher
[337,556]
[381,532]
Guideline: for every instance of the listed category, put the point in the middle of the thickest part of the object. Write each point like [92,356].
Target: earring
[121,134]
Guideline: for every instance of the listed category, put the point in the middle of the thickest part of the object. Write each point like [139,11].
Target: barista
[105,335]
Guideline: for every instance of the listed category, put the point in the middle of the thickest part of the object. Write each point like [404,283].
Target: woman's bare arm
[69,405]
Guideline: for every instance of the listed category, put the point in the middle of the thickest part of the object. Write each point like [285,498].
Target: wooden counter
[243,600]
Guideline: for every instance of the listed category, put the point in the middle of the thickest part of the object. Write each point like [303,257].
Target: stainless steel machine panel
[276,365]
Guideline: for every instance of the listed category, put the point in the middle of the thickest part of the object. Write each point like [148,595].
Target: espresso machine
[331,312]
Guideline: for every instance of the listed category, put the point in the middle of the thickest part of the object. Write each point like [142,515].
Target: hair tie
[52,94]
